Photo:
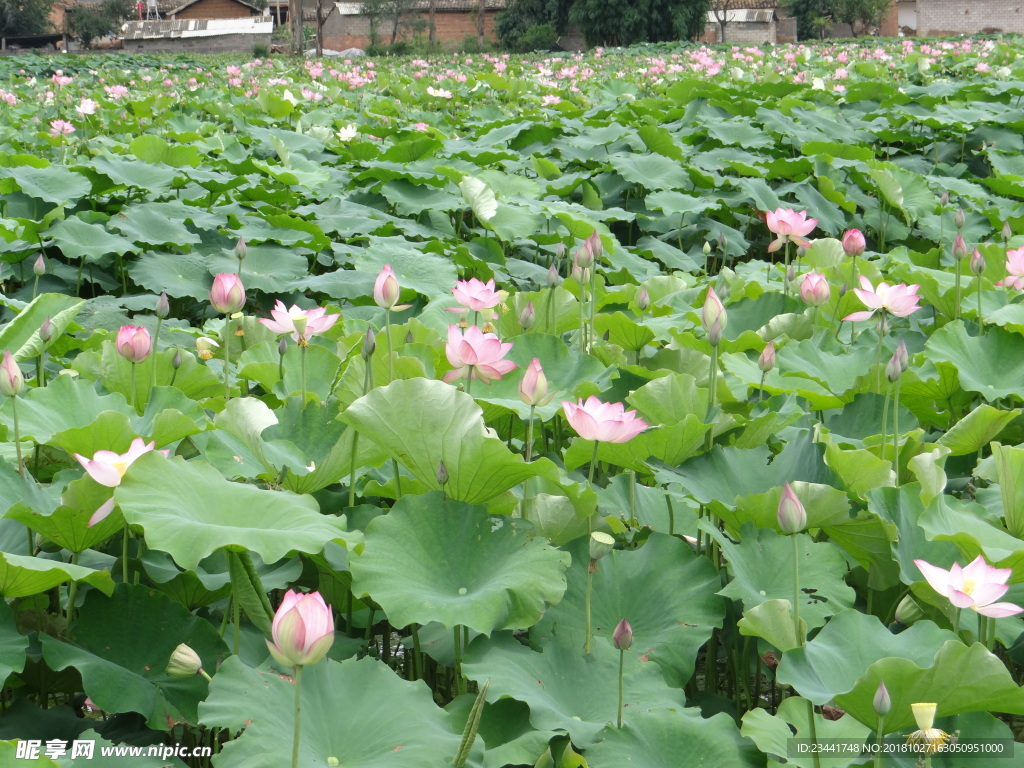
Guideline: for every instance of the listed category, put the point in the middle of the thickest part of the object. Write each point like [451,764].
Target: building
[237,35]
[743,26]
[958,17]
[455,20]
[215,9]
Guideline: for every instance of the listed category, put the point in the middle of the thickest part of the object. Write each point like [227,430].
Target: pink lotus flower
[133,343]
[87,107]
[12,381]
[61,128]
[789,226]
[227,294]
[604,422]
[102,512]
[899,300]
[853,242]
[386,290]
[303,630]
[476,296]
[107,468]
[1015,269]
[476,355]
[533,389]
[976,586]
[814,289]
[302,324]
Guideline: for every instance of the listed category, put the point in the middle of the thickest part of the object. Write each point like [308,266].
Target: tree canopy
[25,17]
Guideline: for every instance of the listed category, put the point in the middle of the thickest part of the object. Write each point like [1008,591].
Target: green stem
[17,436]
[302,368]
[885,423]
[35,288]
[236,615]
[880,741]
[590,529]
[227,359]
[813,728]
[131,390]
[785,272]
[417,653]
[528,453]
[156,341]
[72,591]
[956,622]
[298,716]
[398,478]
[632,495]
[760,390]
[712,386]
[41,369]
[896,431]
[593,305]
[956,309]
[878,358]
[367,384]
[460,681]
[622,656]
[387,338]
[124,553]
[990,632]
[981,323]
[796,592]
[469,381]
[671,515]
[586,611]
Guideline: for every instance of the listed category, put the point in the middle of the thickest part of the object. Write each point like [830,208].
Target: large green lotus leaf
[131,173]
[661,510]
[566,689]
[505,731]
[623,331]
[665,592]
[110,431]
[21,575]
[762,569]
[974,532]
[654,739]
[144,225]
[181,275]
[189,510]
[78,239]
[854,652]
[977,429]
[771,733]
[121,646]
[54,184]
[195,381]
[992,365]
[325,442]
[262,363]
[1009,464]
[773,621]
[430,559]
[670,399]
[68,524]
[21,335]
[12,644]
[358,712]
[422,423]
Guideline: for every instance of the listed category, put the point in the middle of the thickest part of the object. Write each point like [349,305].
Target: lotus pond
[657,407]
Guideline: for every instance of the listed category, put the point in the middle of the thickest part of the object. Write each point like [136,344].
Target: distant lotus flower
[900,300]
[302,324]
[348,132]
[603,422]
[1015,269]
[133,343]
[61,128]
[12,381]
[87,107]
[476,355]
[976,586]
[789,226]
[107,468]
[622,635]
[853,242]
[814,289]
[792,517]
[303,630]
[475,295]
[533,389]
[227,294]
[205,345]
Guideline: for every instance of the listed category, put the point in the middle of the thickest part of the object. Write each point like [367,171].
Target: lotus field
[654,408]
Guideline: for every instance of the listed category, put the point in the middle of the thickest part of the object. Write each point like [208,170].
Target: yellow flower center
[120,466]
[968,587]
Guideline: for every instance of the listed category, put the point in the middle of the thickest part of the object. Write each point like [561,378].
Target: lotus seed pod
[600,545]
[184,662]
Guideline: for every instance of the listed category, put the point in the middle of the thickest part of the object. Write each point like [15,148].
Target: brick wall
[216,44]
[341,32]
[216,9]
[746,33]
[940,17]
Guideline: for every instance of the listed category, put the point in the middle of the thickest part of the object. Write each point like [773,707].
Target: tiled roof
[750,5]
[161,30]
[351,7]
[188,3]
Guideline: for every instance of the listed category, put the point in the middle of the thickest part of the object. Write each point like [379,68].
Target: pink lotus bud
[767,359]
[713,317]
[944,199]
[643,300]
[241,249]
[882,703]
[959,218]
[386,289]
[176,360]
[227,294]
[853,242]
[527,316]
[12,382]
[622,636]
[977,262]
[46,331]
[959,247]
[303,630]
[559,252]
[133,343]
[814,289]
[163,307]
[892,369]
[595,245]
[553,278]
[39,267]
[723,241]
[1007,232]
[792,517]
[584,256]
[533,389]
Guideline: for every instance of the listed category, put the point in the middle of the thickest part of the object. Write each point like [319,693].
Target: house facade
[215,9]
[960,17]
[349,27]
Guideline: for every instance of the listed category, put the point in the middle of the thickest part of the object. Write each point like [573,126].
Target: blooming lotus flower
[87,107]
[227,294]
[302,324]
[1015,269]
[814,289]
[854,242]
[61,128]
[12,381]
[386,290]
[476,355]
[604,422]
[107,468]
[533,389]
[475,295]
[303,630]
[133,343]
[976,586]
[789,226]
[899,300]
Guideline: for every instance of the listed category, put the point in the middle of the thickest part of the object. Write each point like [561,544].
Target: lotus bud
[163,307]
[643,299]
[584,257]
[1007,232]
[706,248]
[882,703]
[409,338]
[977,262]
[854,242]
[892,369]
[713,317]
[766,361]
[791,274]
[959,218]
[533,389]
[595,245]
[622,636]
[241,249]
[176,360]
[184,662]
[386,289]
[553,278]
[369,344]
[303,630]
[559,252]
[792,517]
[944,200]
[814,289]
[908,611]
[924,715]
[46,331]
[723,241]
[133,343]
[902,356]
[442,474]
[227,294]
[527,316]
[959,247]
[282,346]
[39,267]
[12,382]
[801,251]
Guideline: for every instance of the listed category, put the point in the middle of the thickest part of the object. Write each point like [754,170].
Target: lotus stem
[131,389]
[785,272]
[796,592]
[760,389]
[302,368]
[586,611]
[712,386]
[885,422]
[72,591]
[298,716]
[990,632]
[632,495]
[880,741]
[956,309]
[156,341]
[622,656]
[981,317]
[896,431]
[528,453]
[460,681]
[417,653]
[124,553]
[35,288]
[387,338]
[590,576]
[236,615]
[41,369]
[956,623]
[227,358]
[593,305]
[17,436]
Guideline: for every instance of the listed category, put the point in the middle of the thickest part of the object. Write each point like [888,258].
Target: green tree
[860,14]
[809,14]
[88,23]
[25,17]
[623,22]
[523,15]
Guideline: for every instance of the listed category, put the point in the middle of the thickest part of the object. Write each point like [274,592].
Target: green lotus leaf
[78,239]
[54,184]
[772,733]
[21,335]
[977,429]
[189,510]
[773,621]
[121,646]
[21,575]
[431,559]
[68,524]
[991,365]
[13,644]
[665,592]
[357,711]
[1009,463]
[143,225]
[505,731]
